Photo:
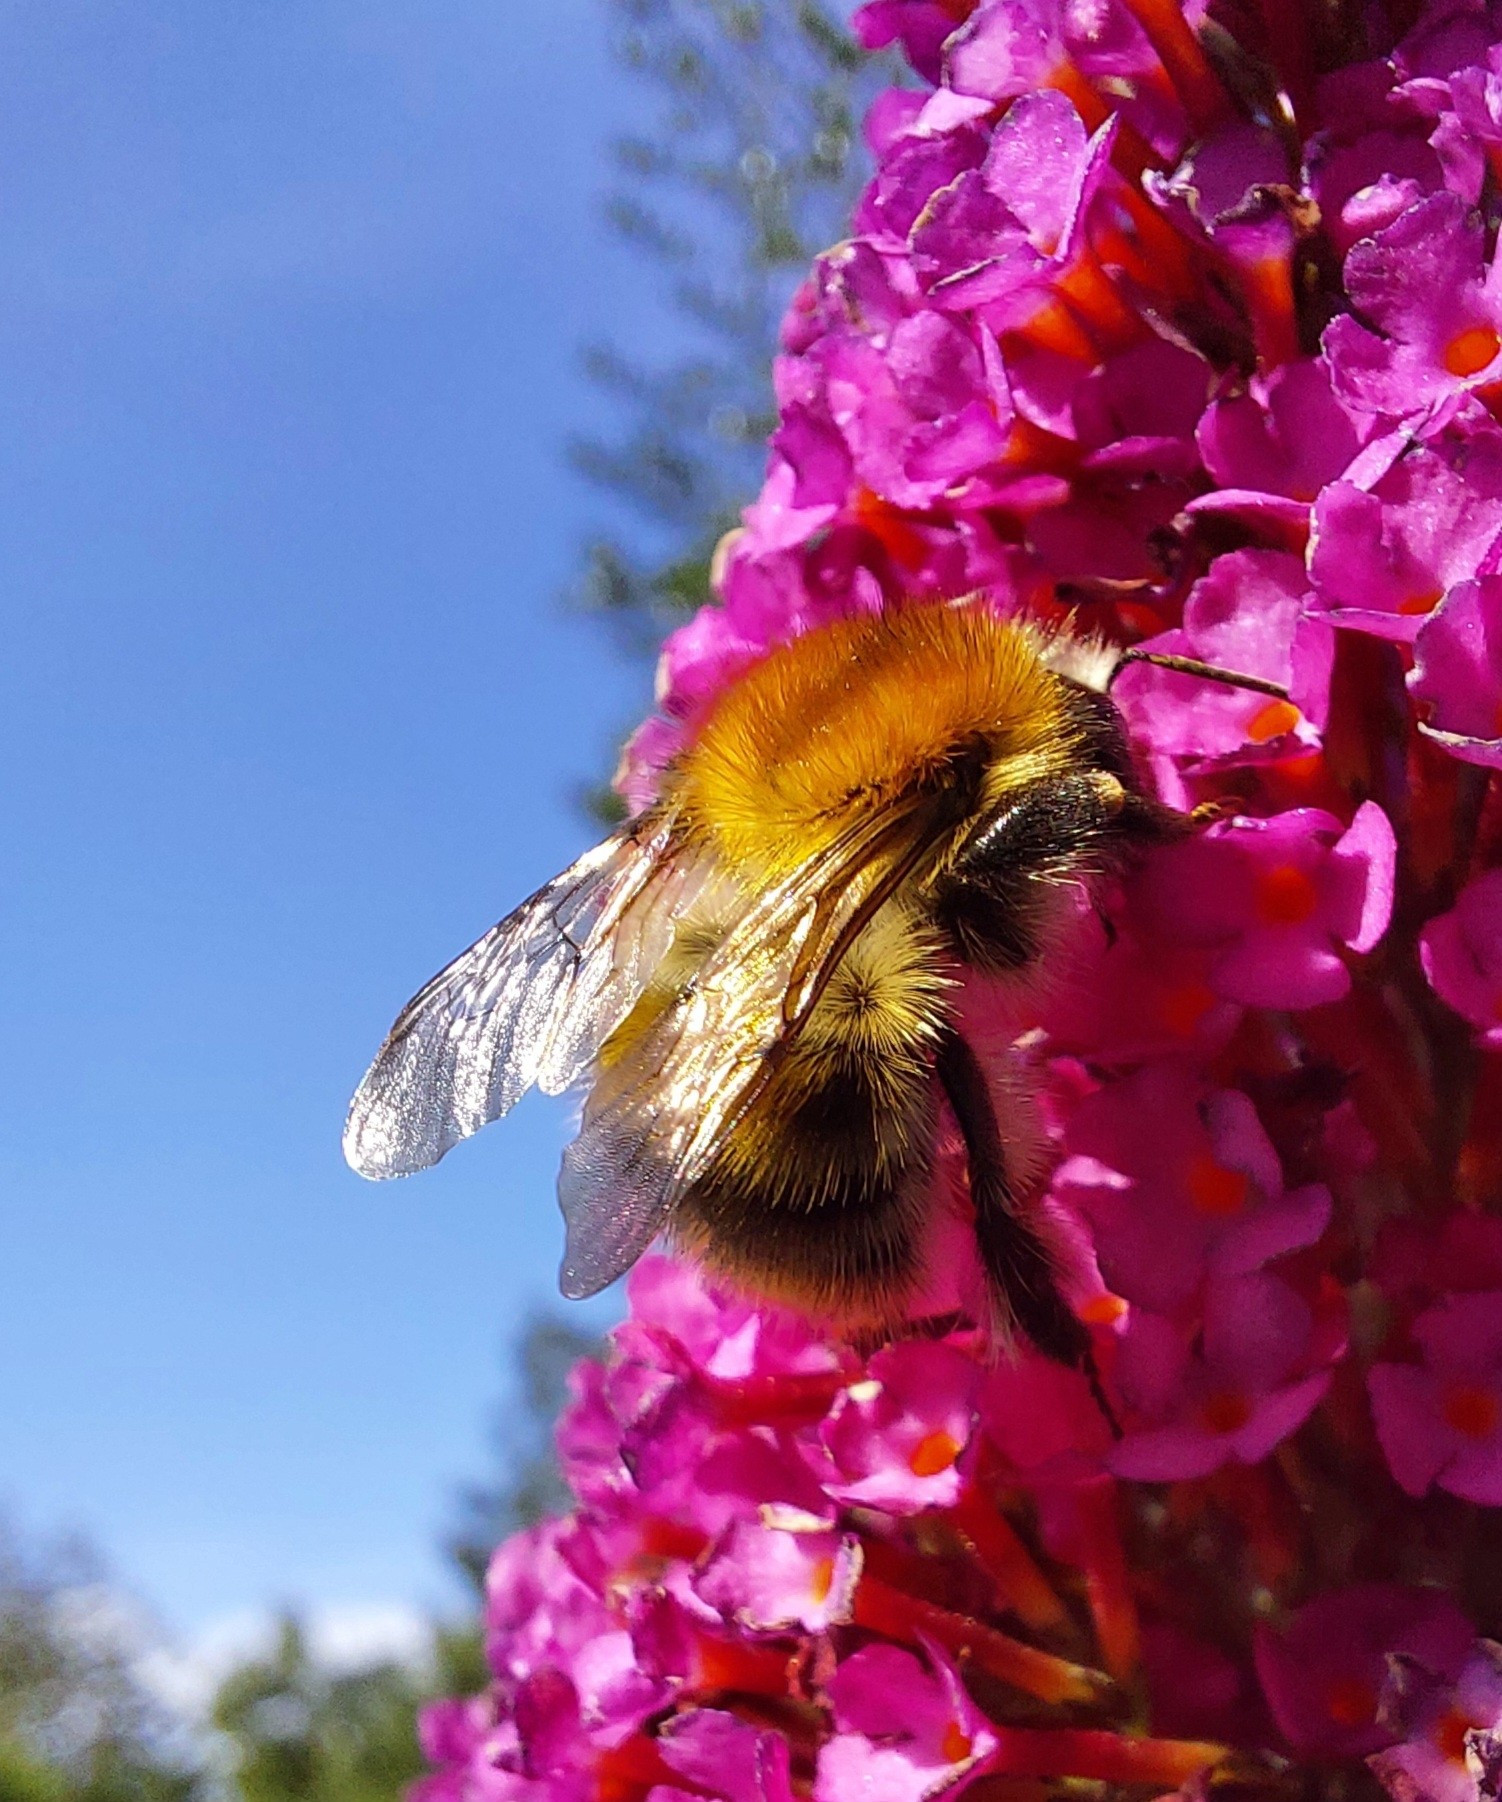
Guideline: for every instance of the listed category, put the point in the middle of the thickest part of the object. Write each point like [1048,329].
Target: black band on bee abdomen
[853,1252]
[819,1200]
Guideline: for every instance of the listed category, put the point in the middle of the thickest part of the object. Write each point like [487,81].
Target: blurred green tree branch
[750,167]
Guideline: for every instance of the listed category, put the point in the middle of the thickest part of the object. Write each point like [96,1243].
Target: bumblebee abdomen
[815,1195]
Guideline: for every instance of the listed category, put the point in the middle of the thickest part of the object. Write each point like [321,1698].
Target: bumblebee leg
[1068,814]
[1017,1261]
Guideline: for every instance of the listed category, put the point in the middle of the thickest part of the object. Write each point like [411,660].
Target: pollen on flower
[1421,601]
[1225,1411]
[1272,721]
[1286,896]
[956,1745]
[1470,350]
[1471,1410]
[934,1452]
[1450,1735]
[1214,1189]
[1104,1310]
[821,1579]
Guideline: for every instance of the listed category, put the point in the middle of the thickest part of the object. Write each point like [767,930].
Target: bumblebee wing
[653,1125]
[530,1002]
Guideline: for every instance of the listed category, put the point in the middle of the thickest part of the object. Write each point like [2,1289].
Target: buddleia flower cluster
[1180,326]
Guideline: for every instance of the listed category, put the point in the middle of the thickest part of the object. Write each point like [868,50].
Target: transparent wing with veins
[654,1122]
[530,1002]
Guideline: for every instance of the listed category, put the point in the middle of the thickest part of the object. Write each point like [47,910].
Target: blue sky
[291,300]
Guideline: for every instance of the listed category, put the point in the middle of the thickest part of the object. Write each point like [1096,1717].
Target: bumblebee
[766,975]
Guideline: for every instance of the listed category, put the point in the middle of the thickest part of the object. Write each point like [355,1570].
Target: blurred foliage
[76,1722]
[303,1734]
[750,167]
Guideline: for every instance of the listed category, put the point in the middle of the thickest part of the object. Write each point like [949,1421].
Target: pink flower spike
[1175,1181]
[1245,1389]
[538,1610]
[1042,1418]
[1285,437]
[1162,324]
[721,1333]
[1387,547]
[1423,284]
[1461,952]
[1448,1733]
[920,26]
[722,1755]
[1248,615]
[1323,1674]
[1366,855]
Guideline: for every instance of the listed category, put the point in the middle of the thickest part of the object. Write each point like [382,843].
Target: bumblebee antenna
[1191,666]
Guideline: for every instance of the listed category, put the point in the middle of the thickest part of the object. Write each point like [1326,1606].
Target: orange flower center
[1471,1410]
[956,1744]
[1225,1411]
[1302,769]
[1471,350]
[889,528]
[1449,1735]
[1183,1008]
[1272,721]
[1103,1310]
[1351,1702]
[935,1452]
[669,1539]
[1285,896]
[821,1579]
[1425,600]
[1216,1191]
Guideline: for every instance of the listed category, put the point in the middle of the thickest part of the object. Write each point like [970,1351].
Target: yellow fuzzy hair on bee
[838,722]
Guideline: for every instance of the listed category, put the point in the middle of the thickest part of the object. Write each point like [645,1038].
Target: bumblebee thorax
[861,714]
